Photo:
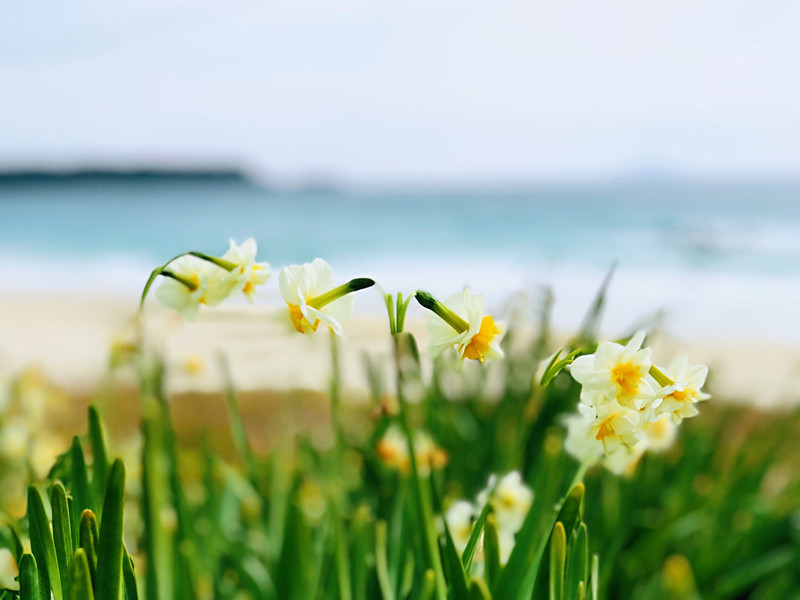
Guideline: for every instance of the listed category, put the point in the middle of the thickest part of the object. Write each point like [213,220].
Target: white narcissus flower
[184,286]
[617,426]
[680,398]
[510,502]
[580,443]
[460,519]
[616,372]
[245,275]
[304,289]
[592,433]
[475,335]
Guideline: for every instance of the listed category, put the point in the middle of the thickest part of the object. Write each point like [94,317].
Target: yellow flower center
[299,320]
[249,288]
[479,344]
[657,430]
[507,499]
[605,429]
[626,376]
[684,395]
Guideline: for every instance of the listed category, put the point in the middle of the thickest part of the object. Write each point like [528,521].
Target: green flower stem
[660,377]
[447,315]
[338,292]
[423,502]
[220,262]
[180,279]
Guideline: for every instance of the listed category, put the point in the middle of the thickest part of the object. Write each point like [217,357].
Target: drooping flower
[679,399]
[461,322]
[312,299]
[184,286]
[239,271]
[616,372]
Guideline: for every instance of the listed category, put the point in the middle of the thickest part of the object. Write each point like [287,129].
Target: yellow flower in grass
[616,372]
[680,398]
[392,450]
[312,299]
[184,286]
[461,322]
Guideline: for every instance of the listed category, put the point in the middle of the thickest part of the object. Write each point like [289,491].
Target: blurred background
[509,147]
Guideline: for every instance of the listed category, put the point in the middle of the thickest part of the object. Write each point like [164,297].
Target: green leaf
[454,570]
[81,493]
[556,366]
[88,539]
[100,460]
[517,579]
[80,579]
[571,510]
[491,550]
[578,561]
[428,585]
[15,544]
[237,423]
[109,549]
[472,543]
[381,563]
[478,589]
[129,577]
[558,560]
[29,580]
[42,545]
[361,550]
[62,531]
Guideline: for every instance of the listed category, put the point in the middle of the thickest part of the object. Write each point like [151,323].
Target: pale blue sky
[407,92]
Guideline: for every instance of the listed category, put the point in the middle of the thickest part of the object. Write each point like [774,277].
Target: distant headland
[25,177]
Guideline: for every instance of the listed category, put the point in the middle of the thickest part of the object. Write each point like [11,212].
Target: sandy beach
[69,338]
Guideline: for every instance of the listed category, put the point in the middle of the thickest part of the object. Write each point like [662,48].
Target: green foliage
[70,559]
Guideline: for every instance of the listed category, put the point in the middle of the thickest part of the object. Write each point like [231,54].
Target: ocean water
[716,257]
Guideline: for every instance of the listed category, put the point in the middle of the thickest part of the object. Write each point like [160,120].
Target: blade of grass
[109,549]
[82,497]
[129,577]
[381,565]
[62,531]
[43,546]
[29,581]
[558,559]
[80,579]
[88,539]
[99,461]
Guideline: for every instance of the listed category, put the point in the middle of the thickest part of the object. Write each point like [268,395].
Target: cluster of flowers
[510,500]
[628,405]
[392,449]
[312,299]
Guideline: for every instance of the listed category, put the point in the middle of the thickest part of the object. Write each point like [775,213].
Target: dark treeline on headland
[42,177]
